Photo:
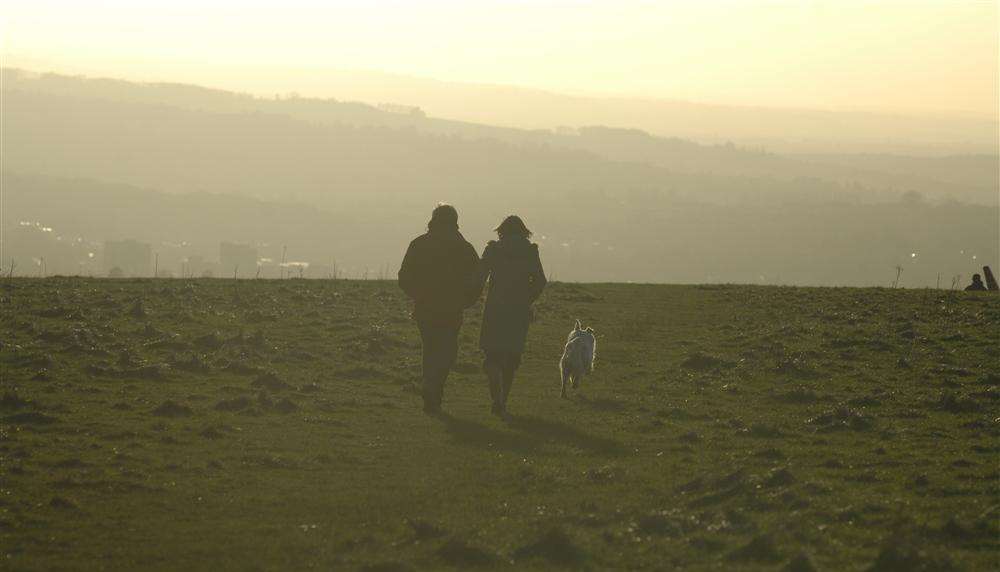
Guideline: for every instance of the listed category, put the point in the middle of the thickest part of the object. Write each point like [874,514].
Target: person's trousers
[500,368]
[440,347]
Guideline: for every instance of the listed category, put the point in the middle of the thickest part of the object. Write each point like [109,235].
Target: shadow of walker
[528,435]
[472,433]
[554,431]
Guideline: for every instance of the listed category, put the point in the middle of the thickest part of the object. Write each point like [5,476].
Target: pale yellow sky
[888,55]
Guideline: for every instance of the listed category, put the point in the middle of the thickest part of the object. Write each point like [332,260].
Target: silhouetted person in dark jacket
[977,284]
[516,279]
[440,272]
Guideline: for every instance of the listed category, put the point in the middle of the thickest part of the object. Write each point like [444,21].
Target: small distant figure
[977,284]
[578,356]
[516,279]
[440,273]
[991,281]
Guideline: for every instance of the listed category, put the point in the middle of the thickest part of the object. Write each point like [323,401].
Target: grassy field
[272,425]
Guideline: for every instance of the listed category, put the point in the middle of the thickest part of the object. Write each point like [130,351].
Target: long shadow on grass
[471,433]
[600,403]
[566,434]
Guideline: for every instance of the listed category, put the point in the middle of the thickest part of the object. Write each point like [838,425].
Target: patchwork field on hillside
[172,424]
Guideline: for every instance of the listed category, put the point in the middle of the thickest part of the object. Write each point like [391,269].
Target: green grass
[274,425]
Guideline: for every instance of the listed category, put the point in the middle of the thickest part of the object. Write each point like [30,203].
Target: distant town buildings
[238,259]
[197,267]
[35,249]
[128,258]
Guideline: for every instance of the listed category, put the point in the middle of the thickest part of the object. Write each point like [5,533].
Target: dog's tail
[579,326]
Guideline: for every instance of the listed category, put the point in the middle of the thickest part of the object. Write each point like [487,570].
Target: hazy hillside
[801,130]
[971,178]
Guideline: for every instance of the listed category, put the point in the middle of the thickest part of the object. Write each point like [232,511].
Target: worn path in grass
[273,424]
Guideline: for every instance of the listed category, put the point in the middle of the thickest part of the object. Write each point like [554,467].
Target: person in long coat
[441,274]
[516,279]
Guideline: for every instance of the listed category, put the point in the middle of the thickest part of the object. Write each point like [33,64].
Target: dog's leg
[576,380]
[565,375]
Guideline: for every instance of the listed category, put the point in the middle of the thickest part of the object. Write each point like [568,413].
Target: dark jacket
[516,279]
[976,286]
[440,273]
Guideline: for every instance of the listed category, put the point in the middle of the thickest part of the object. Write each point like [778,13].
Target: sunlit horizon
[928,58]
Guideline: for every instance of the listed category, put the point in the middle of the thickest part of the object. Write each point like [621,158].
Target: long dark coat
[516,279]
[441,274]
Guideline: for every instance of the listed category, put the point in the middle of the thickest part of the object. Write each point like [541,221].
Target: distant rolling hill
[606,204]
[967,177]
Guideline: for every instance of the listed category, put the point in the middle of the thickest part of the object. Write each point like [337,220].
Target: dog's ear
[589,329]
[578,325]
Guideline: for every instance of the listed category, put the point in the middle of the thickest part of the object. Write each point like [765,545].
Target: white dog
[578,356]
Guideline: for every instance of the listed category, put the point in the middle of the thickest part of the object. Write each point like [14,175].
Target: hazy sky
[888,55]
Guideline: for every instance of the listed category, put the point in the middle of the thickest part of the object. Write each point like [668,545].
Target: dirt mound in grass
[11,401]
[760,549]
[30,418]
[63,503]
[954,403]
[269,381]
[698,361]
[901,555]
[386,567]
[555,546]
[423,530]
[780,478]
[460,554]
[801,563]
[208,342]
[235,404]
[843,418]
[170,408]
